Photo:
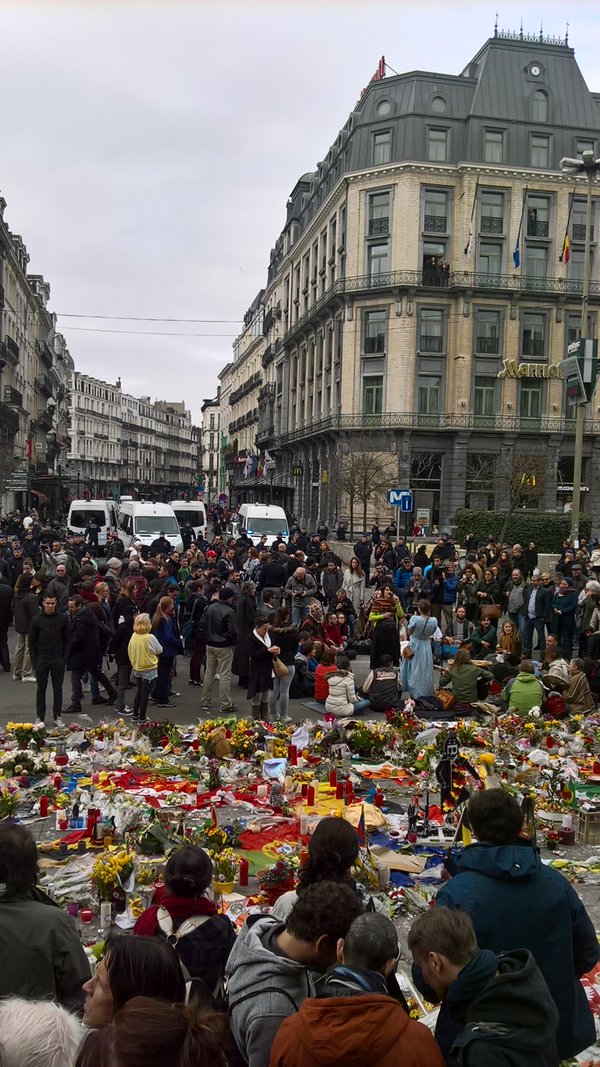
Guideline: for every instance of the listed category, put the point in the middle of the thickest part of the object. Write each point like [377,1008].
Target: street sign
[581,370]
[223,498]
[400,498]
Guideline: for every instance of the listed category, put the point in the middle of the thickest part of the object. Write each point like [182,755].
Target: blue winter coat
[167,635]
[515,901]
[450,588]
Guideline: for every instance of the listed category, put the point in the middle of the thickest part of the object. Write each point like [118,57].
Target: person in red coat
[353,1020]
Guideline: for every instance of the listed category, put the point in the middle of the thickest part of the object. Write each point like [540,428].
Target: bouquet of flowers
[225,868]
[369,741]
[110,873]
[9,799]
[24,732]
[160,734]
[277,879]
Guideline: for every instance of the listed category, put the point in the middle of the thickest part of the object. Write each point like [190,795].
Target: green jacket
[523,693]
[464,681]
[42,957]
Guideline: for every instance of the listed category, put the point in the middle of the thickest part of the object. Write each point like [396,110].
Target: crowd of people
[313,980]
[288,619]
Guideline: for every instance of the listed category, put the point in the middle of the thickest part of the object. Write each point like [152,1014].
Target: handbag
[490,611]
[445,698]
[407,652]
[280,670]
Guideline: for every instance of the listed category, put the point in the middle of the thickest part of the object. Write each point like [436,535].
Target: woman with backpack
[185,916]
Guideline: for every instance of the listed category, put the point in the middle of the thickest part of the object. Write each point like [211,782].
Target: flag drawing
[361,831]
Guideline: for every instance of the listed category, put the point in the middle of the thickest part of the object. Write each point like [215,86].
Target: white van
[103,511]
[141,520]
[192,511]
[259,519]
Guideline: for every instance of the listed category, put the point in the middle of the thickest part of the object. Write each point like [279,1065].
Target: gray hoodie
[263,988]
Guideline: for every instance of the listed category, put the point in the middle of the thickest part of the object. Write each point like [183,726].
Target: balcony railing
[429,343]
[44,384]
[435,224]
[379,227]
[491,224]
[578,232]
[537,229]
[457,280]
[9,421]
[13,397]
[445,422]
[490,346]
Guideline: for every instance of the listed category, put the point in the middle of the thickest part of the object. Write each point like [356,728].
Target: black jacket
[260,672]
[218,626]
[85,651]
[508,1016]
[162,546]
[6,614]
[273,575]
[543,601]
[25,606]
[49,637]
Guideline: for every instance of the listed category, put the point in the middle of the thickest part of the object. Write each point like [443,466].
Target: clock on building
[535,70]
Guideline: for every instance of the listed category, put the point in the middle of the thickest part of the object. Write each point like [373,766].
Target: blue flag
[517,254]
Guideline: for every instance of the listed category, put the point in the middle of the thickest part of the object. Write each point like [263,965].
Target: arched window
[539,106]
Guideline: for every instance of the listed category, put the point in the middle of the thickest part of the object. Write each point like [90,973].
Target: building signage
[298,471]
[512,369]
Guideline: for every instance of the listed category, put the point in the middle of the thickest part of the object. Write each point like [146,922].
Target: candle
[86,915]
[303,858]
[349,788]
[304,789]
[332,778]
[304,825]
[310,796]
[339,791]
[43,806]
[379,799]
[195,744]
[63,824]
[243,872]
[262,791]
[57,781]
[293,755]
[96,777]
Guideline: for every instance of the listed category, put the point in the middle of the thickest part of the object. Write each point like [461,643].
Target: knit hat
[569,582]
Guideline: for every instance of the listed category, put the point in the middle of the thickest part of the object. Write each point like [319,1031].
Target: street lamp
[589,168]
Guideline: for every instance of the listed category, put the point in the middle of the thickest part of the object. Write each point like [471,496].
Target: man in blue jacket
[515,901]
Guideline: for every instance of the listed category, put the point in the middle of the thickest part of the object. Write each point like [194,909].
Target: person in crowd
[285,637]
[514,596]
[463,677]
[461,630]
[555,670]
[523,692]
[332,580]
[353,1003]
[500,1004]
[143,651]
[261,652]
[151,1033]
[417,657]
[589,605]
[49,636]
[164,628]
[160,546]
[132,966]
[42,956]
[363,551]
[197,604]
[418,588]
[564,606]
[515,899]
[466,593]
[245,615]
[37,1033]
[450,581]
[85,653]
[342,700]
[578,696]
[537,605]
[354,583]
[300,588]
[333,634]
[381,686]
[303,682]
[385,613]
[484,639]
[510,639]
[26,606]
[313,622]
[183,911]
[124,614]
[218,627]
[324,668]
[488,595]
[272,965]
[332,852]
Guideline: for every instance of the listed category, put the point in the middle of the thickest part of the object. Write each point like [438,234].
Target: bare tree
[363,475]
[516,478]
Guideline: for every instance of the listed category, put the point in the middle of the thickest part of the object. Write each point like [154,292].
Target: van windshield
[81,518]
[257,525]
[151,525]
[195,518]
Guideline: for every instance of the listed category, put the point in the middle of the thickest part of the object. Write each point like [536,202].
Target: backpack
[195,987]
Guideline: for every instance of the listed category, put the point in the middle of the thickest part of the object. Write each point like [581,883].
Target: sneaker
[86,688]
[142,718]
[16,677]
[174,694]
[166,704]
[135,716]
[197,684]
[28,678]
[99,700]
[124,711]
[231,710]
[59,722]
[285,718]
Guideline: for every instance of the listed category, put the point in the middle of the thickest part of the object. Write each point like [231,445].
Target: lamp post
[589,168]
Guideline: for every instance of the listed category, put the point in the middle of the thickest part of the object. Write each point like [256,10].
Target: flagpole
[517,251]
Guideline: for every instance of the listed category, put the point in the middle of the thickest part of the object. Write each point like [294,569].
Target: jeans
[362,705]
[94,672]
[518,620]
[196,660]
[142,695]
[299,614]
[281,692]
[21,661]
[218,659]
[44,669]
[537,626]
[162,687]
[123,672]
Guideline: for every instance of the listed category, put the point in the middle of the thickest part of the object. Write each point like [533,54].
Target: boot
[264,711]
[255,713]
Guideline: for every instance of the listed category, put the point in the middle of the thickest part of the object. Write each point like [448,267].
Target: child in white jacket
[342,700]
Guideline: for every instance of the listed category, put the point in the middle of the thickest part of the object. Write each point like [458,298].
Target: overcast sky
[147,150]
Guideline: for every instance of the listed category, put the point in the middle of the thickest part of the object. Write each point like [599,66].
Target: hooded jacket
[49,637]
[353,1027]
[264,987]
[523,693]
[506,1011]
[342,694]
[515,899]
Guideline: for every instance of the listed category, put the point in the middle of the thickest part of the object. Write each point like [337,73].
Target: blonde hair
[142,624]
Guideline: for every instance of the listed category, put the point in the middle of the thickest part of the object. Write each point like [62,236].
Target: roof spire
[496,26]
[521,32]
[541,31]
[567,34]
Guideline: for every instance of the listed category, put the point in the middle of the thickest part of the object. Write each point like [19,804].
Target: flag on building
[259,468]
[469,244]
[566,251]
[269,464]
[517,253]
[361,831]
[248,466]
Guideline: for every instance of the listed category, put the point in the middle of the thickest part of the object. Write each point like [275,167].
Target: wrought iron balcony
[491,224]
[578,232]
[490,346]
[435,224]
[537,229]
[44,384]
[429,343]
[13,397]
[379,227]
[12,349]
[45,353]
[9,420]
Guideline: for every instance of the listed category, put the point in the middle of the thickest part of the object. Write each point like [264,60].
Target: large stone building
[35,375]
[126,444]
[210,448]
[394,322]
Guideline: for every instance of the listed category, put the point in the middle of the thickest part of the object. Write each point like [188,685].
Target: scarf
[178,908]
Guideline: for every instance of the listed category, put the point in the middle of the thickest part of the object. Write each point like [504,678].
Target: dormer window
[539,106]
